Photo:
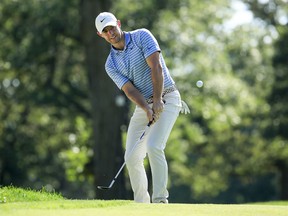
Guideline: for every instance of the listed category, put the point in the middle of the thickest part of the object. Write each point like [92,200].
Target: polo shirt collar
[127,41]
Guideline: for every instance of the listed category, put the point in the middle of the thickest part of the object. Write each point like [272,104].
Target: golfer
[137,67]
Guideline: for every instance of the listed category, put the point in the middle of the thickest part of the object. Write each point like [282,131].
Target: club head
[103,188]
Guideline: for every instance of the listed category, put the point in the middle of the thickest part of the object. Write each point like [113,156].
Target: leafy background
[62,126]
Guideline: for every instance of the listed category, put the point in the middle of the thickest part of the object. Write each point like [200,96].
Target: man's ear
[100,35]
[119,23]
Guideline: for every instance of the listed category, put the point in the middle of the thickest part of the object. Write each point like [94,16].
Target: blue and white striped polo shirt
[130,64]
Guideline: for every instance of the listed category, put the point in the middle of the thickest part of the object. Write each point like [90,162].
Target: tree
[274,15]
[218,153]
[43,95]
[46,136]
[277,130]
[108,116]
[61,116]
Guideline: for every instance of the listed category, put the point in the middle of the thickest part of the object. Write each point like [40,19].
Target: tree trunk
[107,116]
[283,167]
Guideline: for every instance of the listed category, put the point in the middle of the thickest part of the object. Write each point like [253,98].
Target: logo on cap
[102,20]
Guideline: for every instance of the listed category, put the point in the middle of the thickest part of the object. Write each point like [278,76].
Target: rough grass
[17,201]
[13,194]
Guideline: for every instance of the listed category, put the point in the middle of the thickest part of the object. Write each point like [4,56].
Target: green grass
[13,194]
[17,201]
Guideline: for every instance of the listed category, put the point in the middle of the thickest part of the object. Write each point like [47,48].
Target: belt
[166,91]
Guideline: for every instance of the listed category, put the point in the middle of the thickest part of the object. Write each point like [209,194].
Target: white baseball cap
[105,19]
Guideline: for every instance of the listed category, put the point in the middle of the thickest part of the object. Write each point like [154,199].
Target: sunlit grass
[18,202]
[13,194]
[284,203]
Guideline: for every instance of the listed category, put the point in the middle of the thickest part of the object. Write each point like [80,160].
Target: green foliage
[77,156]
[274,15]
[44,100]
[231,148]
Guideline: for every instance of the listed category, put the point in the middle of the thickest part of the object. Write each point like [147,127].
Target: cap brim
[110,23]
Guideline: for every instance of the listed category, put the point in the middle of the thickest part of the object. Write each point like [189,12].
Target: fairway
[22,202]
[126,208]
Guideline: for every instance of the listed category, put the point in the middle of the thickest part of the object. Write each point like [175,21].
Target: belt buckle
[166,91]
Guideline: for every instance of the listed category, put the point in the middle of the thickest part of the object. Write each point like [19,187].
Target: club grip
[150,122]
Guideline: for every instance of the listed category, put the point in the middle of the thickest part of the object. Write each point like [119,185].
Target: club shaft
[121,168]
[123,165]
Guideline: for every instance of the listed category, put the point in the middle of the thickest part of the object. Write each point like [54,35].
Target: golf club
[123,165]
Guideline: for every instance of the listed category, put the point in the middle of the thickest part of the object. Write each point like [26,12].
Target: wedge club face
[103,187]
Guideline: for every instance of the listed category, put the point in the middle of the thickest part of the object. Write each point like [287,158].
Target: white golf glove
[185,109]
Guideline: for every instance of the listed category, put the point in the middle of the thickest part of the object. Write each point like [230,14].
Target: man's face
[112,34]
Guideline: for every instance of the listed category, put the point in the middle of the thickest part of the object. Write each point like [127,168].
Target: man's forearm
[157,80]
[135,96]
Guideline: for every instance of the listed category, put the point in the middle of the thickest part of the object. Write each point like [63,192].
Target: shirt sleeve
[118,79]
[149,43]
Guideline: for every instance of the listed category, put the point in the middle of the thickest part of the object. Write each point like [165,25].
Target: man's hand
[157,108]
[150,114]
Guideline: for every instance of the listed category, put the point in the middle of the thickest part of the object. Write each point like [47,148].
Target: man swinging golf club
[137,67]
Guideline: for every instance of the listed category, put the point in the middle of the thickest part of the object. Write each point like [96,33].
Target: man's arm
[157,79]
[135,96]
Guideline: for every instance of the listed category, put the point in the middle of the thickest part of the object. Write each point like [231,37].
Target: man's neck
[121,44]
